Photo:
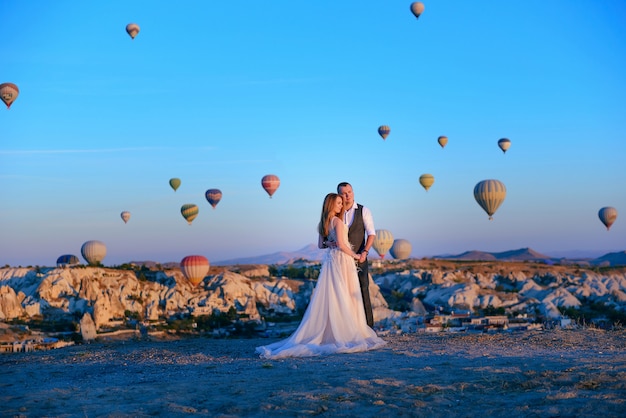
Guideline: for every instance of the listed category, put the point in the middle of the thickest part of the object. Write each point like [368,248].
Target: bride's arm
[341,241]
[321,242]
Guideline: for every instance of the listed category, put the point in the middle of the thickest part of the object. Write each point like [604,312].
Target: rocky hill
[108,296]
[611,259]
[520,288]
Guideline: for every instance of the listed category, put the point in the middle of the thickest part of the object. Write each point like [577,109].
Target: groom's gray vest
[356,231]
[356,236]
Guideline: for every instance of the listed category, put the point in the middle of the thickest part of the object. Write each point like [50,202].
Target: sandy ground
[557,373]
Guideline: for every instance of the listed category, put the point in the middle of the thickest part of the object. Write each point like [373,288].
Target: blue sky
[219,94]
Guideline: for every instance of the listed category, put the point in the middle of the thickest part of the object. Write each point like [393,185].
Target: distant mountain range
[522,254]
[528,254]
[312,253]
[612,259]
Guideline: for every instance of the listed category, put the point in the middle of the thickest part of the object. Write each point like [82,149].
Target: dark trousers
[364,281]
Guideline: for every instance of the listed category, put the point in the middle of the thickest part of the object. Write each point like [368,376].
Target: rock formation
[108,296]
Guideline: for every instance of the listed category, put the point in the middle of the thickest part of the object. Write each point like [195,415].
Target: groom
[361,234]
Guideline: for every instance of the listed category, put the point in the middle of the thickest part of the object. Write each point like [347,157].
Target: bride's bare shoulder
[337,223]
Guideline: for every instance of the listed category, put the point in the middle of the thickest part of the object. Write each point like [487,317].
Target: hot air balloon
[132,29]
[401,249]
[93,252]
[382,242]
[383,131]
[270,183]
[504,144]
[8,93]
[174,183]
[443,140]
[125,216]
[189,212]
[427,180]
[213,196]
[67,260]
[490,194]
[417,8]
[194,268]
[608,215]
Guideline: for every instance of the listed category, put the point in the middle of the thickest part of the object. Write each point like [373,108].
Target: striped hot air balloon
[93,252]
[270,183]
[427,180]
[382,242]
[607,216]
[194,268]
[213,196]
[490,194]
[401,249]
[8,93]
[175,183]
[189,212]
[383,131]
[504,144]
[132,29]
[67,260]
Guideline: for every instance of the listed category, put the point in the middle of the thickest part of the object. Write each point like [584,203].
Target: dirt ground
[555,373]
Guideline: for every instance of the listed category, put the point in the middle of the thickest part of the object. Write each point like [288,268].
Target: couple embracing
[339,316]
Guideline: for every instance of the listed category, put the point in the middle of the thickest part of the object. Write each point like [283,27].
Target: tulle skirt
[334,321]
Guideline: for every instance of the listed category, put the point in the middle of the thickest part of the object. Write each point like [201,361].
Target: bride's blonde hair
[328,212]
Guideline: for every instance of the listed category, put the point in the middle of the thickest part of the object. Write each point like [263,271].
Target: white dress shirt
[368,220]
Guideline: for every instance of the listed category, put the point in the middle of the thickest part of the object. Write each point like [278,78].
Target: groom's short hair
[343,184]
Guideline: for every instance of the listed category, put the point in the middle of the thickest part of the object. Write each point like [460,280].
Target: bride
[334,321]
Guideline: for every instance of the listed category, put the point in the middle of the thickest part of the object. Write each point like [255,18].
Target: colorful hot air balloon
[174,183]
[383,131]
[490,194]
[67,260]
[427,180]
[8,93]
[608,215]
[382,242]
[401,249]
[93,252]
[125,216]
[213,196]
[504,144]
[443,140]
[417,8]
[194,268]
[270,183]
[132,29]
[189,212]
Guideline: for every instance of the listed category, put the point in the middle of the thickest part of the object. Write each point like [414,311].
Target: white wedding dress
[334,321]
